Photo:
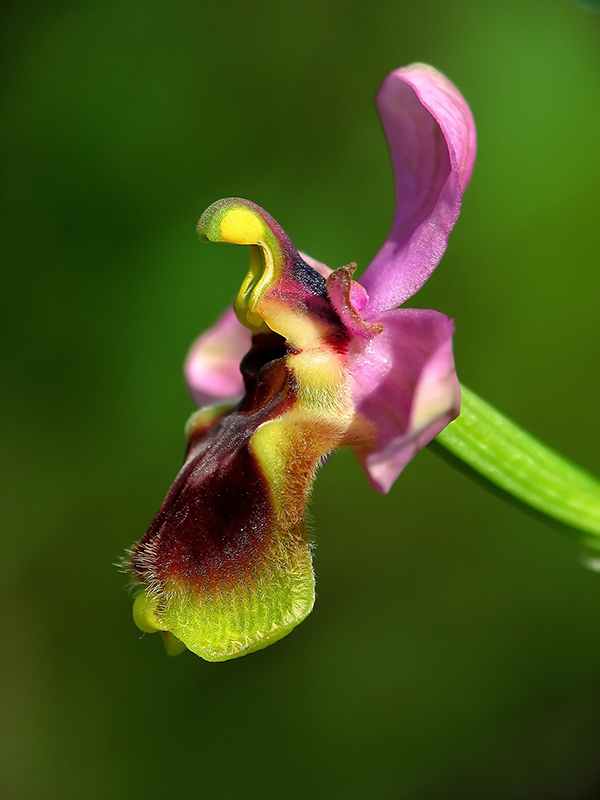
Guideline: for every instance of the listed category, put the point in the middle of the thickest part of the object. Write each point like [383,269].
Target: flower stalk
[521,466]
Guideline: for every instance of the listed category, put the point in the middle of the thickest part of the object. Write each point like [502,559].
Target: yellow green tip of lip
[219,628]
[145,618]
[173,645]
[144,613]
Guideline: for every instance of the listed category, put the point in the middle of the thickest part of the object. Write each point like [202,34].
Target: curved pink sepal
[405,384]
[431,137]
[212,366]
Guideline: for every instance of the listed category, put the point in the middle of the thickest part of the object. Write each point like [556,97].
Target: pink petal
[342,291]
[406,386]
[431,136]
[212,366]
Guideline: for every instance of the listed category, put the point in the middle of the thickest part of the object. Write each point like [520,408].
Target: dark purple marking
[217,519]
[303,273]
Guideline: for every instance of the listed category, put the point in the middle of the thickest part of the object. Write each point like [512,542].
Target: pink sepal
[431,136]
[405,384]
[212,366]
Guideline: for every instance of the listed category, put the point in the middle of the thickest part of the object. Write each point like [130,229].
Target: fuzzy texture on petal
[431,137]
[405,384]
[224,567]
[212,366]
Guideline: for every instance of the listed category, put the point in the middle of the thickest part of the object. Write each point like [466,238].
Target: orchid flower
[307,361]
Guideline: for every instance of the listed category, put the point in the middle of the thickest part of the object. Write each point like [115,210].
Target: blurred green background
[454,651]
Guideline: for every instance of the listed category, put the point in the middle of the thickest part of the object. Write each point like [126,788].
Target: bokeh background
[454,651]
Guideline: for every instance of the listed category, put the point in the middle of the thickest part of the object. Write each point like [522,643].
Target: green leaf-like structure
[508,457]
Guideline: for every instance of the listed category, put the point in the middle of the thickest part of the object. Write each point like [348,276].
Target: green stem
[511,459]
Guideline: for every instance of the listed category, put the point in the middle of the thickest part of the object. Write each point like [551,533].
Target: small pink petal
[340,288]
[212,366]
[406,386]
[431,136]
